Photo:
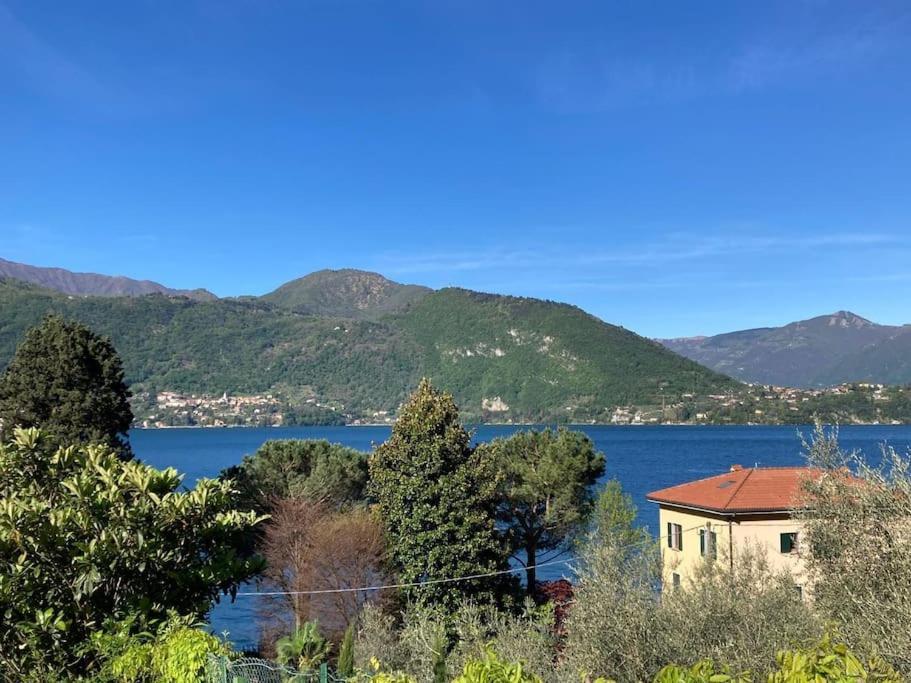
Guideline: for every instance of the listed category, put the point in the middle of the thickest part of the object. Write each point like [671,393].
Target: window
[799,589]
[789,542]
[708,543]
[674,536]
[675,580]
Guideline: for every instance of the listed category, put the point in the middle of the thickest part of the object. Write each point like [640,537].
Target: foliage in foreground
[491,669]
[177,653]
[306,648]
[860,551]
[88,539]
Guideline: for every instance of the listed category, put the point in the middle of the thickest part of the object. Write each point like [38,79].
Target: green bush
[830,661]
[177,653]
[88,539]
[491,669]
[700,672]
[306,647]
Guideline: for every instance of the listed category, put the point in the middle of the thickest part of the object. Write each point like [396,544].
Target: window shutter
[713,544]
[702,542]
[670,535]
[786,543]
[680,537]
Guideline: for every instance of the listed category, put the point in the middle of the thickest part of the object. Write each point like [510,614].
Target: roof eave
[728,512]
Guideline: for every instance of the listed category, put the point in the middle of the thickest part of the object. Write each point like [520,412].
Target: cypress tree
[67,381]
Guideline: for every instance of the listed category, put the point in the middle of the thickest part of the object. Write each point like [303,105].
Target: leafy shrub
[306,647]
[830,661]
[87,538]
[177,653]
[491,669]
[700,672]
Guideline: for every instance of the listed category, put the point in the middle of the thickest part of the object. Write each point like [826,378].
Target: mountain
[92,284]
[822,351]
[345,293]
[504,358]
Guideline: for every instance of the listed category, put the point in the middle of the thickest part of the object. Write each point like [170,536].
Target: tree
[613,520]
[87,539]
[437,498]
[859,555]
[309,546]
[312,469]
[545,493]
[67,381]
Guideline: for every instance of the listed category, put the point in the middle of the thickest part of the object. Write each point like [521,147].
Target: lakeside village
[855,403]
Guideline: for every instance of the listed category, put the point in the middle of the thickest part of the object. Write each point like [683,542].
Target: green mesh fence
[220,669]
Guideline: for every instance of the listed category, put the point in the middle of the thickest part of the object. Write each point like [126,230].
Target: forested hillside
[504,358]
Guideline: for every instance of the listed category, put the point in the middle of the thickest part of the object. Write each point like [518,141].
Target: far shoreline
[537,424]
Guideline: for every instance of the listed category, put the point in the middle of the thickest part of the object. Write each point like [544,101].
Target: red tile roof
[754,489]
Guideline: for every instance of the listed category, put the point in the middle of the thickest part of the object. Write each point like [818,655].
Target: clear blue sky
[675,167]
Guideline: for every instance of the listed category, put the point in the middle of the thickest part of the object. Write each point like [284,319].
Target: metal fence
[221,669]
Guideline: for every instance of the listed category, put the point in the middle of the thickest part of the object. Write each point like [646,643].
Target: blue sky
[678,168]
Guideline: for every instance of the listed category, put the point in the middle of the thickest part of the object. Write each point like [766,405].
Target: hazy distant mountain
[92,284]
[345,293]
[822,351]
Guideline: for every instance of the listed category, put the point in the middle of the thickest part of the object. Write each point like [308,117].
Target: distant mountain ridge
[92,284]
[818,352]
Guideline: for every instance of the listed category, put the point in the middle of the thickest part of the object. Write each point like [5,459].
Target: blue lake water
[643,459]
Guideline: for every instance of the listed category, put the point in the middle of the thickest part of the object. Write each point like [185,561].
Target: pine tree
[437,497]
[67,381]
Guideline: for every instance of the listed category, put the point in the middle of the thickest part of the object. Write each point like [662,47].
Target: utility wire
[469,577]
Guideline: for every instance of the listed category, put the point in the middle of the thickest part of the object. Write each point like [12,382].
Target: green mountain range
[355,343]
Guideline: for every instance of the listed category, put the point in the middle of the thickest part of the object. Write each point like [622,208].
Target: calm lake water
[643,459]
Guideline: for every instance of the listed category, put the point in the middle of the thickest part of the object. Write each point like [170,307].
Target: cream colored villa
[721,515]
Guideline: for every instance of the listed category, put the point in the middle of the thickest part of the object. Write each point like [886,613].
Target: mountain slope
[503,357]
[345,293]
[92,284]
[542,359]
[821,351]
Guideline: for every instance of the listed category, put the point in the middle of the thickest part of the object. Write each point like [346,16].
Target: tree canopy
[300,468]
[67,381]
[87,539]
[436,495]
[545,491]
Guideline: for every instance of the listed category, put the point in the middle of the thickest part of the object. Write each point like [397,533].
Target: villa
[718,516]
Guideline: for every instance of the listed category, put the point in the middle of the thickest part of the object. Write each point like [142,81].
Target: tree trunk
[530,571]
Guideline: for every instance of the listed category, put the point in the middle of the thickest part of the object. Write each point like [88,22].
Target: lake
[643,459]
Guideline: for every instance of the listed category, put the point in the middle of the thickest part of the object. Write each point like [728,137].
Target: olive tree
[856,517]
[88,539]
